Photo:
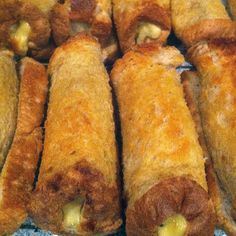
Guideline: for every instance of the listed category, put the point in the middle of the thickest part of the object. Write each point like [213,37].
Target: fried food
[198,20]
[215,62]
[164,176]
[23,27]
[191,84]
[76,16]
[8,102]
[18,172]
[77,190]
[141,21]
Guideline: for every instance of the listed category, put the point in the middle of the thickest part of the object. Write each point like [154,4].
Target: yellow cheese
[147,31]
[174,226]
[19,35]
[72,215]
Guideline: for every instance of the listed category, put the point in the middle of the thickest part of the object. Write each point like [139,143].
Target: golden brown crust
[88,12]
[208,30]
[12,13]
[172,196]
[60,24]
[18,173]
[101,201]
[127,21]
[146,78]
[83,139]
[191,84]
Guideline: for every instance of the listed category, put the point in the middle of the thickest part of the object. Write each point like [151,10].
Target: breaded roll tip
[77,190]
[141,21]
[215,62]
[17,175]
[164,175]
[191,84]
[75,16]
[198,20]
[8,102]
[44,5]
[23,26]
[232,8]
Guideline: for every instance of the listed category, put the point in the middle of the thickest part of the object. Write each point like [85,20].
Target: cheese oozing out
[147,31]
[72,215]
[175,225]
[19,37]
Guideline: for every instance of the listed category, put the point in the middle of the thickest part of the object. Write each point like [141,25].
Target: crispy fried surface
[12,12]
[215,62]
[17,176]
[197,20]
[159,138]
[191,84]
[172,196]
[79,134]
[96,14]
[8,102]
[128,15]
[44,5]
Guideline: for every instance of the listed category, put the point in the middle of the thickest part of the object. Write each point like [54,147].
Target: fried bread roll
[77,190]
[8,102]
[91,16]
[164,175]
[199,20]
[215,62]
[17,175]
[232,8]
[141,21]
[23,26]
[191,84]
[44,5]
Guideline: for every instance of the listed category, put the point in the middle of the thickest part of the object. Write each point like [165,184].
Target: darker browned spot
[82,9]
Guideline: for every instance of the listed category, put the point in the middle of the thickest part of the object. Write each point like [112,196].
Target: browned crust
[127,24]
[60,24]
[82,11]
[18,173]
[81,180]
[178,195]
[208,30]
[191,85]
[40,27]
[43,53]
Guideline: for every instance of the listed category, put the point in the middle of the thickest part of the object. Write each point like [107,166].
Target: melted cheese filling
[175,225]
[147,31]
[19,35]
[72,214]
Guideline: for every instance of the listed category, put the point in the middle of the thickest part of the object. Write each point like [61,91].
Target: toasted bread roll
[232,8]
[77,190]
[76,16]
[164,175]
[199,20]
[17,176]
[44,5]
[191,84]
[141,21]
[215,62]
[8,102]
[23,26]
